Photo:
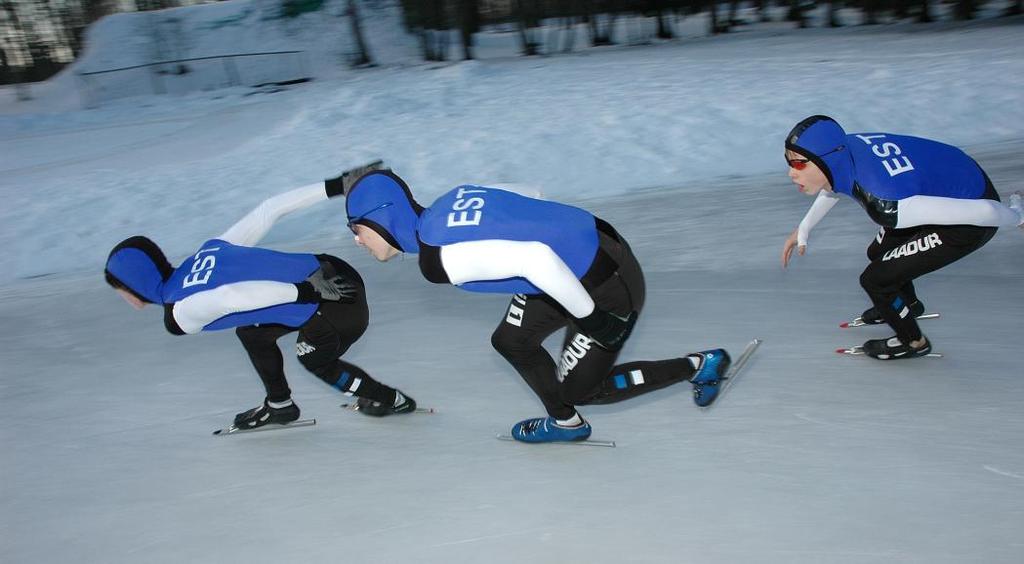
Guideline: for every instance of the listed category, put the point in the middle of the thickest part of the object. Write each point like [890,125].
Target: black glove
[607,329]
[327,285]
[340,185]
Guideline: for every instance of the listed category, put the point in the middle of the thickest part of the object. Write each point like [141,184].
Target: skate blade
[860,322]
[232,430]
[586,442]
[355,407]
[859,351]
[734,371]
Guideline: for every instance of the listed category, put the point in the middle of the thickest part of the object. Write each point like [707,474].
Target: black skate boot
[267,413]
[405,404]
[892,348]
[871,316]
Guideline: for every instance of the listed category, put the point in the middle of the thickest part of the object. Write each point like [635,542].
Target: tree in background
[600,22]
[924,12]
[762,10]
[832,19]
[428,19]
[965,9]
[797,12]
[659,9]
[13,44]
[528,14]
[871,9]
[469,23]
[39,37]
[361,58]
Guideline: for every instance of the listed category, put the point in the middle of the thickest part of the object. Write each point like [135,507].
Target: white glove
[1017,205]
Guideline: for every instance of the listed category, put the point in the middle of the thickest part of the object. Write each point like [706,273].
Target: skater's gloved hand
[339,185]
[787,248]
[1017,205]
[327,285]
[608,330]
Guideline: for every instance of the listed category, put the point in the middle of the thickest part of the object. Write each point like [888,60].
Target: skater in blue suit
[564,267]
[934,205]
[264,295]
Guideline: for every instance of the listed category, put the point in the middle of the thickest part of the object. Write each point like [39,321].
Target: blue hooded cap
[823,141]
[138,265]
[382,201]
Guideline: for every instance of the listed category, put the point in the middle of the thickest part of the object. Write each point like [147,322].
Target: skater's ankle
[574,421]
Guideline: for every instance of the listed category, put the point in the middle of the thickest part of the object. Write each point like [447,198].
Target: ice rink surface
[812,457]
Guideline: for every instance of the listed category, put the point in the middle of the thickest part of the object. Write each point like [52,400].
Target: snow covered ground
[812,458]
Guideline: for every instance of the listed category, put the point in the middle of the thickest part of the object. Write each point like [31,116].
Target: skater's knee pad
[511,343]
[316,358]
[335,374]
[875,281]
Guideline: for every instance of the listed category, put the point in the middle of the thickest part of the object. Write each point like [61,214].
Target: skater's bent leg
[519,337]
[887,279]
[883,286]
[322,341]
[351,380]
[632,379]
[261,344]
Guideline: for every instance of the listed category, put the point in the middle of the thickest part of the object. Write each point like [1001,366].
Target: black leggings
[321,341]
[899,256]
[586,373]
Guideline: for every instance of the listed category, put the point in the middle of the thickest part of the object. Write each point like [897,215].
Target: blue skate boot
[706,381]
[545,430]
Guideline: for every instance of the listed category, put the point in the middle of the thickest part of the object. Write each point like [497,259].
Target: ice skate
[266,414]
[545,430]
[708,378]
[403,404]
[892,349]
[872,316]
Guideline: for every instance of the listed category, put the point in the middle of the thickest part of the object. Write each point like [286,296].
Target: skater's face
[374,243]
[806,175]
[130,298]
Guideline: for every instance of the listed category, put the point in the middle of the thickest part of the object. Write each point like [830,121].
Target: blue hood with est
[382,201]
[140,265]
[824,142]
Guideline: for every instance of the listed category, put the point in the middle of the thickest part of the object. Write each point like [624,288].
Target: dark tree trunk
[469,23]
[965,9]
[362,57]
[527,16]
[664,28]
[871,8]
[833,14]
[762,10]
[796,13]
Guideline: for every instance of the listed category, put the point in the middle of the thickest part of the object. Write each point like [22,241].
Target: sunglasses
[353,221]
[800,164]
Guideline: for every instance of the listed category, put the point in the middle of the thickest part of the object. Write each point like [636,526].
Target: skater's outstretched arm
[251,228]
[823,203]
